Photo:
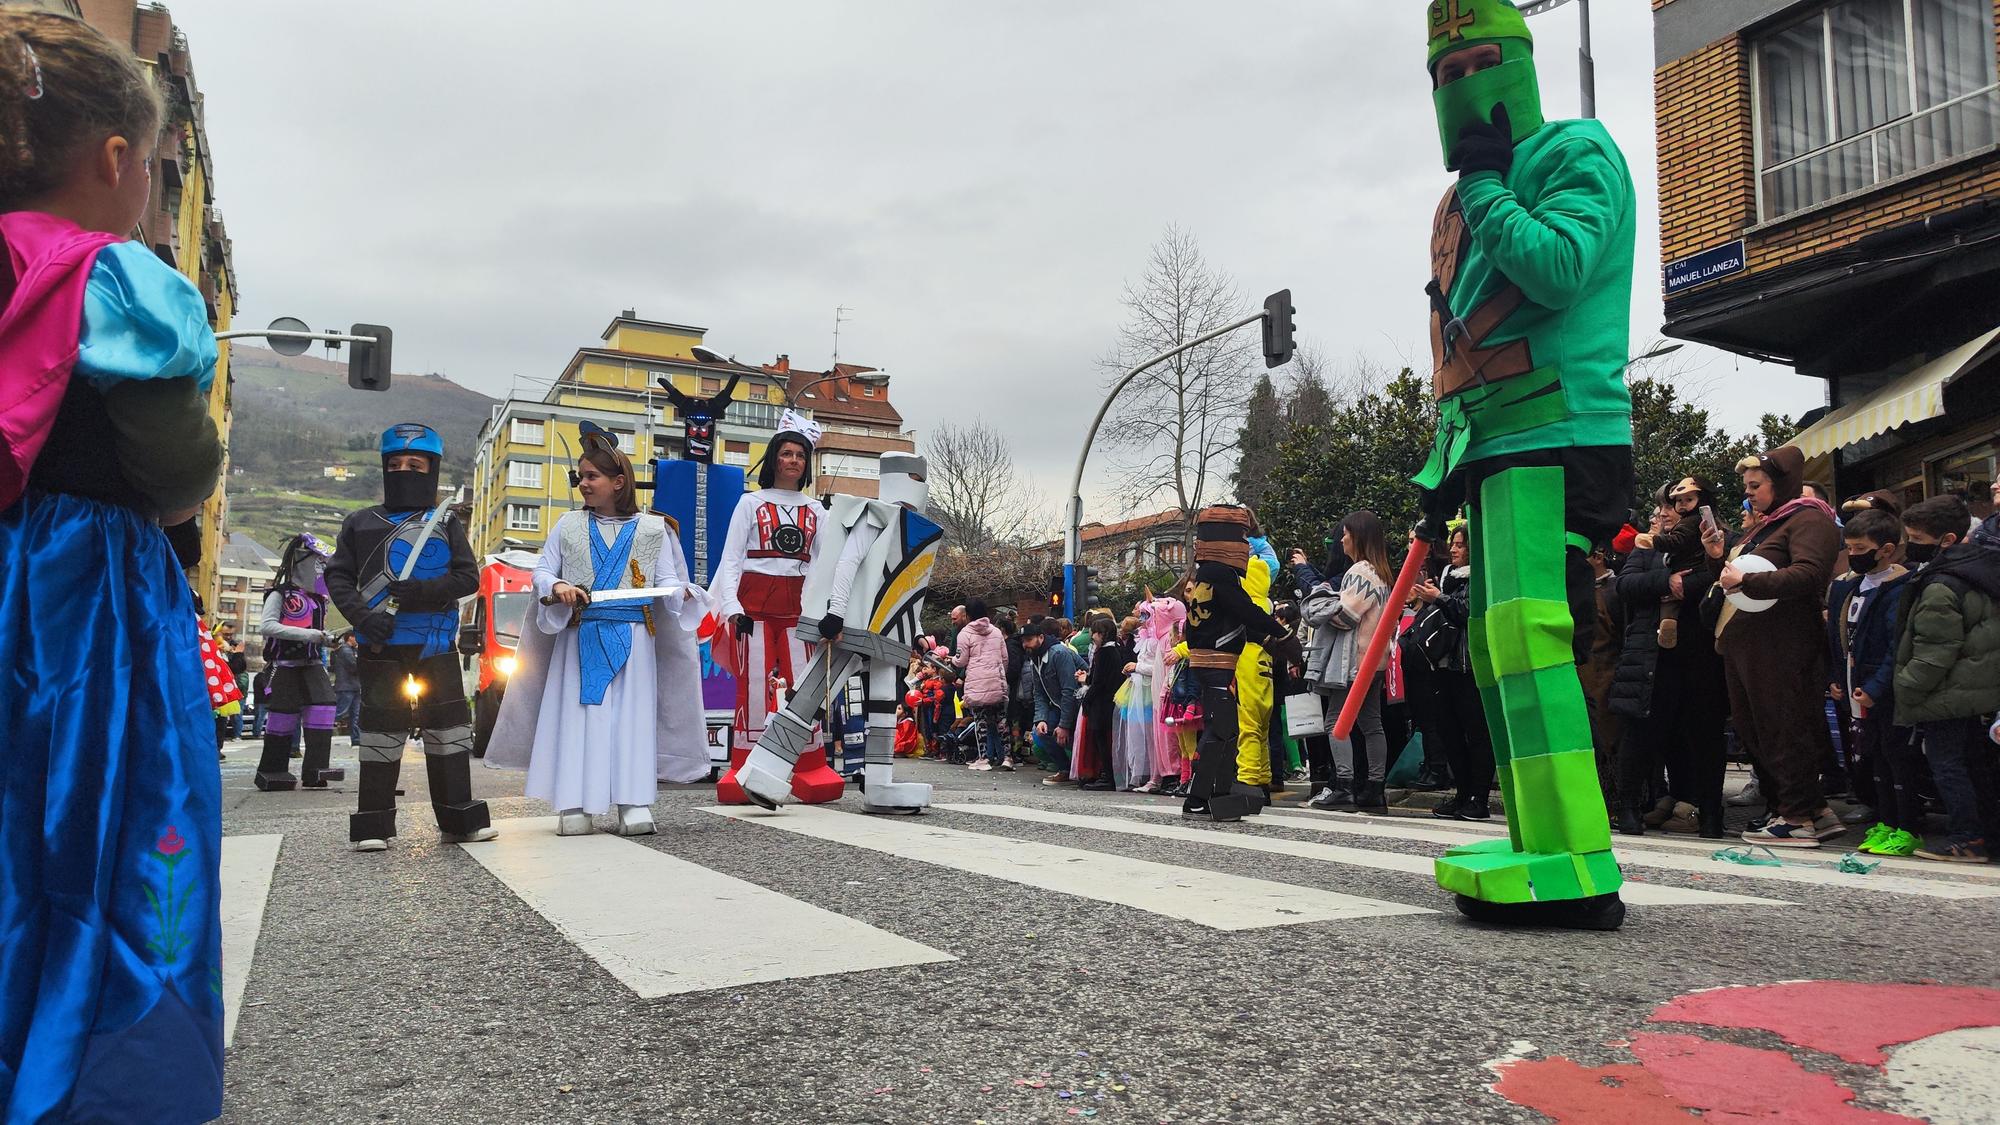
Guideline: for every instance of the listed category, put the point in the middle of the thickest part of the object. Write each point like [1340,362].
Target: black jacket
[1640,585]
[1106,676]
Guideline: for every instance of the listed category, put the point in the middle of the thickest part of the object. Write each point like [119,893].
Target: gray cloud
[495,180]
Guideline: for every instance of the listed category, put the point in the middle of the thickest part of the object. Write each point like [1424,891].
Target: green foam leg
[1558,844]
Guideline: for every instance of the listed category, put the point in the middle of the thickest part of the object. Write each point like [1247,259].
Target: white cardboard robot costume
[867,590]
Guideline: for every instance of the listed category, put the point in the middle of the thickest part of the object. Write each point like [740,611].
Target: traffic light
[368,363]
[1087,588]
[1278,312]
[1056,594]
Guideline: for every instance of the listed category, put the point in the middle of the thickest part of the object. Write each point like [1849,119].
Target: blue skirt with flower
[110,825]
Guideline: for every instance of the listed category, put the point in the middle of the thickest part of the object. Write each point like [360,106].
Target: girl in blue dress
[110,822]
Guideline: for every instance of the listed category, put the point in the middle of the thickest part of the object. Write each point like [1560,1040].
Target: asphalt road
[417,985]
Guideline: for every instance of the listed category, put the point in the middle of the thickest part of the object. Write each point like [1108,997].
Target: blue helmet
[412,437]
[408,488]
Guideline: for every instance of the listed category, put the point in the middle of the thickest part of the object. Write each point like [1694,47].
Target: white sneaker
[370,845]
[635,820]
[1751,795]
[981,765]
[573,822]
[487,833]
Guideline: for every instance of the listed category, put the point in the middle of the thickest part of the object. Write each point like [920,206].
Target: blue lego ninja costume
[407,626]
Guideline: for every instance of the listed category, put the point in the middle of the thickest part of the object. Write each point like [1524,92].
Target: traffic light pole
[1073,546]
[326,337]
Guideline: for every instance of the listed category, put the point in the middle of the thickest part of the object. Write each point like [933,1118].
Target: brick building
[1830,199]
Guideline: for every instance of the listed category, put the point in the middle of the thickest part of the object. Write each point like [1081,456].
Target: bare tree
[975,493]
[991,517]
[1175,428]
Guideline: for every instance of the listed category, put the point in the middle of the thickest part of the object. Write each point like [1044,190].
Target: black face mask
[406,489]
[1862,561]
[1920,553]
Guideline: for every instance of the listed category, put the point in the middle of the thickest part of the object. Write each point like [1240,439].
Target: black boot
[1710,820]
[319,751]
[1599,912]
[459,817]
[375,823]
[1629,822]
[1253,797]
[1449,810]
[274,768]
[1369,797]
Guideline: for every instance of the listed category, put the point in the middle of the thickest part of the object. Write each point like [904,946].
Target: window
[757,415]
[625,441]
[1864,91]
[1173,555]
[528,431]
[524,474]
[736,453]
[524,517]
[710,385]
[849,465]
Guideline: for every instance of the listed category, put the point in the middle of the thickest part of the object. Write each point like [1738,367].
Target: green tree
[1673,438]
[1364,458]
[1257,442]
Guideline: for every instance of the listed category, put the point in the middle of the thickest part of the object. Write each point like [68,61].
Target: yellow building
[181,223]
[527,446]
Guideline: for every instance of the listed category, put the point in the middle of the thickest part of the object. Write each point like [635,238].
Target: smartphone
[1707,518]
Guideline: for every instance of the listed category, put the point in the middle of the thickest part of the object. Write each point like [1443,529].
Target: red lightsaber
[1385,630]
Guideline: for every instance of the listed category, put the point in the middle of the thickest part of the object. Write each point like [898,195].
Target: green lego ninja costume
[1531,257]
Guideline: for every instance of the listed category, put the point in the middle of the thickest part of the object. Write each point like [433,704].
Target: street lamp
[1278,305]
[1586,68]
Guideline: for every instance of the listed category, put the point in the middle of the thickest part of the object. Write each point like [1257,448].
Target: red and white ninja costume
[774,537]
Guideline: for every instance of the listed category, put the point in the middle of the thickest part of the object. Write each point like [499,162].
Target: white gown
[594,758]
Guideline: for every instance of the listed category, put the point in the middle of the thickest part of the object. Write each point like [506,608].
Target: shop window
[1864,91]
[1969,473]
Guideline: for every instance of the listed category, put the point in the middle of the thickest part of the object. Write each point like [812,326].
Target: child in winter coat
[1863,615]
[1948,669]
[1681,544]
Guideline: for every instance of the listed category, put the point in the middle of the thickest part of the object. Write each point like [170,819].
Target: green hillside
[295,417]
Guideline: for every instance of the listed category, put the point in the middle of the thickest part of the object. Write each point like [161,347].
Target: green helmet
[1456,24]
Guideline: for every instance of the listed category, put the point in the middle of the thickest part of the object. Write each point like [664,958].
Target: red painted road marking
[1845,1018]
[1680,1074]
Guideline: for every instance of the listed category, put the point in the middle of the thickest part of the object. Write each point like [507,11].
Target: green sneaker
[1875,836]
[1897,842]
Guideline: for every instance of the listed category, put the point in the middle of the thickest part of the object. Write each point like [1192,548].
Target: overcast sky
[976,182]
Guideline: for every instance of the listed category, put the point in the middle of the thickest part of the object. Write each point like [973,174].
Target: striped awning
[1912,397]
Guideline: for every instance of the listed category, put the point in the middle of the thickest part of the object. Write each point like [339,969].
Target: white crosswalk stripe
[1831,849]
[1209,898]
[1705,866]
[1637,894]
[247,863]
[665,926]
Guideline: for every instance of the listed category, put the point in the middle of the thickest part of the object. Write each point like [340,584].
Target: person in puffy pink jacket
[982,652]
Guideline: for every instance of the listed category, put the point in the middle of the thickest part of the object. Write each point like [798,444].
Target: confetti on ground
[880,1090]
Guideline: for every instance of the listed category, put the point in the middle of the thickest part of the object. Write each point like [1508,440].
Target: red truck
[490,625]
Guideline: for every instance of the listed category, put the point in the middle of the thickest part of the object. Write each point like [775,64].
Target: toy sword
[410,563]
[644,594]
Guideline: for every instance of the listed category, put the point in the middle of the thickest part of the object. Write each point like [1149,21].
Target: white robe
[650,727]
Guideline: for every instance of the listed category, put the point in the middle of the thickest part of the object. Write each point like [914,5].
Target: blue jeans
[1961,758]
[236,725]
[344,705]
[992,720]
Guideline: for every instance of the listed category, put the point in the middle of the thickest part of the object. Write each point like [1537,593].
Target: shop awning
[1912,397]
